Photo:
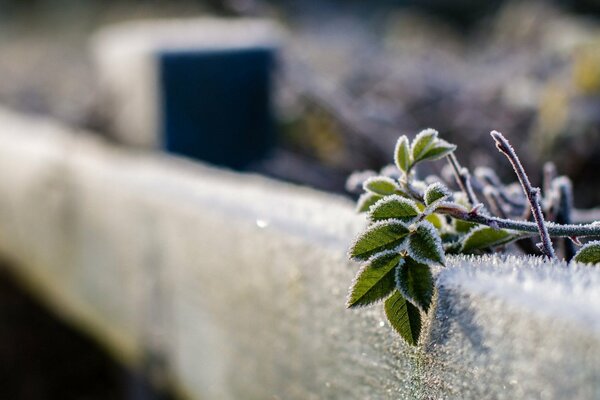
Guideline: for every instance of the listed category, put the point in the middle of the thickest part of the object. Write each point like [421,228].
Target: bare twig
[463,179]
[533,194]
[558,230]
[492,197]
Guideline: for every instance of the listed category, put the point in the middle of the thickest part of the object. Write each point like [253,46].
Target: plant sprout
[414,223]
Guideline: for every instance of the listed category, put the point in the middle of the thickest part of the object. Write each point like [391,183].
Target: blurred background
[352,76]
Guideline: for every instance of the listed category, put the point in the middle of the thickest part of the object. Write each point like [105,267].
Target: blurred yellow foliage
[586,69]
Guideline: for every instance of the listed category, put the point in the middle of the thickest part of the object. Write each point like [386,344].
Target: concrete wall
[233,286]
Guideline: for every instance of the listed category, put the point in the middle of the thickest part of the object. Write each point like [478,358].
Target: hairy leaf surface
[425,244]
[382,235]
[375,280]
[404,317]
[589,253]
[415,282]
[394,206]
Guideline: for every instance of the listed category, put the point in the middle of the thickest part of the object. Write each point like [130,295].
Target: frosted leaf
[422,143]
[589,254]
[366,200]
[436,192]
[394,206]
[375,280]
[381,185]
[415,282]
[404,317]
[382,235]
[483,237]
[402,154]
[425,244]
[440,149]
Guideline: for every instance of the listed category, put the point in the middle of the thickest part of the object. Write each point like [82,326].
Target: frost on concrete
[238,283]
[514,328]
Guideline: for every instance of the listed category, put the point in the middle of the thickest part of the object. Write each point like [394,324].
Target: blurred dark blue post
[216,104]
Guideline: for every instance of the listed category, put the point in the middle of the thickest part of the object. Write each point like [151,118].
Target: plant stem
[463,179]
[533,194]
[558,230]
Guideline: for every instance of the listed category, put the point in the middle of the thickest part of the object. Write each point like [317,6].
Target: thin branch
[463,179]
[558,230]
[533,194]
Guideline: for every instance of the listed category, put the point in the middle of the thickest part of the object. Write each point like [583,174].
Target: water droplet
[261,223]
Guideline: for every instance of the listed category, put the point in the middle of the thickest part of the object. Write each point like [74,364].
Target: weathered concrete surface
[236,284]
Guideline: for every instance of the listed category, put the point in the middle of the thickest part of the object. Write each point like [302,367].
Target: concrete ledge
[236,284]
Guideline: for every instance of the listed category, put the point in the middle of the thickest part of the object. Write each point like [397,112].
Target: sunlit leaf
[440,149]
[589,253]
[366,200]
[435,192]
[394,206]
[404,317]
[381,185]
[375,280]
[484,237]
[422,143]
[425,244]
[415,282]
[382,235]
[402,154]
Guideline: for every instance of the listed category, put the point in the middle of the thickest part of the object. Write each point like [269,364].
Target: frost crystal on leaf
[375,280]
[589,254]
[425,244]
[402,154]
[381,185]
[415,282]
[366,200]
[404,317]
[422,143]
[394,206]
[436,192]
[382,235]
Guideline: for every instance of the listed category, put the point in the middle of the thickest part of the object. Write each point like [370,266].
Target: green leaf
[425,244]
[422,143]
[589,253]
[402,154]
[366,200]
[440,149]
[394,206]
[375,280]
[381,185]
[436,220]
[483,237]
[382,235]
[436,192]
[415,282]
[461,226]
[404,318]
